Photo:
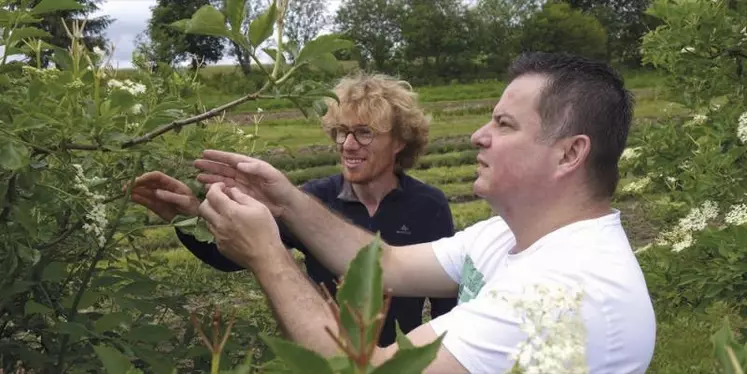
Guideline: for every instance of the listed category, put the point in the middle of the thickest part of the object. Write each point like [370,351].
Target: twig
[65,234]
[9,196]
[200,117]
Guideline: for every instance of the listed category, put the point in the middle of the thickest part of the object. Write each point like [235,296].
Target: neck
[532,221]
[371,193]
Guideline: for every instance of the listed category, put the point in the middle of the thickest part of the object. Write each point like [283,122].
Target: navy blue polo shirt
[412,213]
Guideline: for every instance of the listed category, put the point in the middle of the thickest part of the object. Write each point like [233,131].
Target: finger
[218,199]
[207,212]
[174,198]
[217,168]
[241,197]
[157,179]
[144,200]
[228,158]
[210,179]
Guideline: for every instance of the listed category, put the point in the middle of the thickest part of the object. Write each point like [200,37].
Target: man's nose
[480,138]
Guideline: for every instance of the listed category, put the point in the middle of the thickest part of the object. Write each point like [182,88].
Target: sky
[131,18]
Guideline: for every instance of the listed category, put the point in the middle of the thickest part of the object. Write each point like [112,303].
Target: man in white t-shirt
[548,167]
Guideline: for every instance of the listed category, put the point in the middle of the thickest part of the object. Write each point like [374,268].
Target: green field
[682,346]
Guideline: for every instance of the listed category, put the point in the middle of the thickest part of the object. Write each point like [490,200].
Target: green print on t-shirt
[472,281]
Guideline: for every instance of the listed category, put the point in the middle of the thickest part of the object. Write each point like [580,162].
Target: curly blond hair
[385,104]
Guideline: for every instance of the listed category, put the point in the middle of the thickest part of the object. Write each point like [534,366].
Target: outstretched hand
[244,228]
[164,195]
[250,176]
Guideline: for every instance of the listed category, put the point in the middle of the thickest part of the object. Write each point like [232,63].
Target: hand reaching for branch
[251,176]
[164,195]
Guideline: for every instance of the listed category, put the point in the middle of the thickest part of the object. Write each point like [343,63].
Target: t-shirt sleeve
[451,251]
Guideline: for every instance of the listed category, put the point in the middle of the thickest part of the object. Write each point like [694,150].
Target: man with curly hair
[380,131]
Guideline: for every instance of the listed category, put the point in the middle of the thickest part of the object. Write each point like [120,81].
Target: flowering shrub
[689,172]
[75,294]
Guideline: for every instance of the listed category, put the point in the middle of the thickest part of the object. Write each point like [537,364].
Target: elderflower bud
[137,108]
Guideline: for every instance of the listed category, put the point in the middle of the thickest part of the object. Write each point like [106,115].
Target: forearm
[328,236]
[298,306]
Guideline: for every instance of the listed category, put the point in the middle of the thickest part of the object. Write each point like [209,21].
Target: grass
[683,344]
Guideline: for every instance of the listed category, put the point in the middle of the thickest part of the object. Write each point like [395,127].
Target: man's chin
[353,177]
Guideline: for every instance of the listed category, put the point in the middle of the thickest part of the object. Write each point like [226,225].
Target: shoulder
[325,186]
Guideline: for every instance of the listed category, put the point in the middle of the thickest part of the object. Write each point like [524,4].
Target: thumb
[241,197]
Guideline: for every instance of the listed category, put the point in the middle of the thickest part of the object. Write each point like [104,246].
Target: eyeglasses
[362,135]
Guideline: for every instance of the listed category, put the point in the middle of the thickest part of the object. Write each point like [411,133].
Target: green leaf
[54,271]
[111,321]
[150,333]
[235,11]
[362,290]
[13,156]
[114,361]
[139,288]
[86,300]
[74,329]
[413,360]
[208,21]
[158,362]
[26,33]
[340,364]
[327,62]
[402,340]
[321,45]
[32,307]
[51,6]
[299,359]
[261,28]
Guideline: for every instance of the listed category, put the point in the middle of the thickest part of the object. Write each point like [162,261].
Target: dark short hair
[587,97]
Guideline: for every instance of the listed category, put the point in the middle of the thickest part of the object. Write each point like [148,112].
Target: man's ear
[574,152]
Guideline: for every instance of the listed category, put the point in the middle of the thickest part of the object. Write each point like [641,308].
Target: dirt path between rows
[441,106]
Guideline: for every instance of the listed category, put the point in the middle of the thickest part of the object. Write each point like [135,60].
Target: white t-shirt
[594,254]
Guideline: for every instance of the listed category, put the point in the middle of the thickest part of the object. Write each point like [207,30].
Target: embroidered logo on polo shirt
[404,230]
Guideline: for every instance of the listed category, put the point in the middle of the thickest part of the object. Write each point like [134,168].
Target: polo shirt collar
[347,193]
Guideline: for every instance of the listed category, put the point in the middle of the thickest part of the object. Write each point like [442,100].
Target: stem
[87,278]
[215,364]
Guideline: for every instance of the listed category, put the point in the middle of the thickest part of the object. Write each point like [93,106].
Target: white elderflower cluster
[96,220]
[556,336]
[133,88]
[737,215]
[698,119]
[681,236]
[637,186]
[742,128]
[630,153]
[137,108]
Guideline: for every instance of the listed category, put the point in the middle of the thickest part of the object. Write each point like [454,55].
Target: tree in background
[433,32]
[93,33]
[626,23]
[305,19]
[373,26]
[560,28]
[500,26]
[174,47]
